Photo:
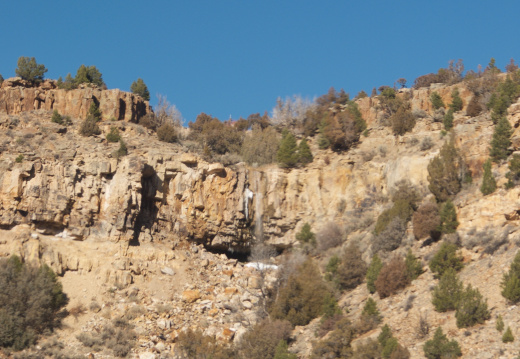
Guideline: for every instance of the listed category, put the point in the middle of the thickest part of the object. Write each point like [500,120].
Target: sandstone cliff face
[71,184]
[17,96]
[70,202]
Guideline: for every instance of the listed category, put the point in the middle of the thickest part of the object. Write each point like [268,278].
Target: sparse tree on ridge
[138,87]
[90,75]
[29,70]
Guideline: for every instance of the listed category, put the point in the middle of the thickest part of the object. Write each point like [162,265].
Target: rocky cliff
[70,183]
[119,227]
[18,96]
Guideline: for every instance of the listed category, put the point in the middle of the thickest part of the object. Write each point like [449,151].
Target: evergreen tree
[413,266]
[500,323]
[445,258]
[444,174]
[29,70]
[446,295]
[448,215]
[489,185]
[506,93]
[69,83]
[287,155]
[81,75]
[94,112]
[514,171]
[122,150]
[387,341]
[501,140]
[89,75]
[370,310]
[306,235]
[323,141]
[282,351]
[508,336]
[304,153]
[472,308]
[436,100]
[372,272]
[448,120]
[456,101]
[440,347]
[511,281]
[138,87]
[56,117]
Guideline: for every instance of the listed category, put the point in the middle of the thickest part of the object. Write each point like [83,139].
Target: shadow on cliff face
[148,209]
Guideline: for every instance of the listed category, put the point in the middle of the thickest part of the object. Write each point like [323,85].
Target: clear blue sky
[236,57]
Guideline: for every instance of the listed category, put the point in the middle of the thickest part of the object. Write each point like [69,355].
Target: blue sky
[234,58]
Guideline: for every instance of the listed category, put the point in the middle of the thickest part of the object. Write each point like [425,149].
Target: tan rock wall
[17,96]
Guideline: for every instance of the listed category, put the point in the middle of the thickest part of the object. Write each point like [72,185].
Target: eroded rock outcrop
[17,96]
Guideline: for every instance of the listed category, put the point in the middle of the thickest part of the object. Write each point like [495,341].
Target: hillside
[164,239]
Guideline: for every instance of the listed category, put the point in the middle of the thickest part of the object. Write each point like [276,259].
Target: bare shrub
[301,298]
[134,312]
[337,343]
[367,155]
[261,252]
[409,302]
[383,151]
[391,238]
[94,307]
[413,141]
[418,113]
[77,310]
[488,239]
[392,278]
[426,221]
[89,127]
[195,345]
[426,143]
[289,265]
[474,107]
[260,342]
[438,115]
[260,147]
[166,133]
[330,236]
[423,327]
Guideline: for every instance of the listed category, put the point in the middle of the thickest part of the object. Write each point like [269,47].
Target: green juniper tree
[456,101]
[489,185]
[29,70]
[445,258]
[446,295]
[514,171]
[304,153]
[511,281]
[448,120]
[501,140]
[138,87]
[89,75]
[440,347]
[306,235]
[449,222]
[436,100]
[413,266]
[472,308]
[444,172]
[373,272]
[508,336]
[287,155]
